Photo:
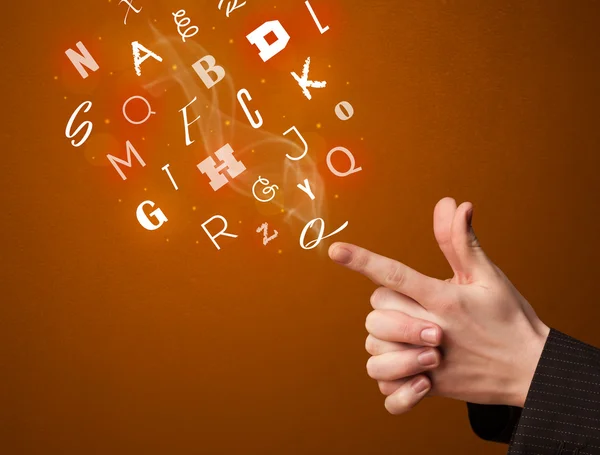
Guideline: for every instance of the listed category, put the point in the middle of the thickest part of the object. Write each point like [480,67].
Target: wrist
[526,364]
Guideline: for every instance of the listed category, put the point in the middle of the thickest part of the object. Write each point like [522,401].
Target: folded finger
[408,395]
[401,364]
[375,346]
[396,326]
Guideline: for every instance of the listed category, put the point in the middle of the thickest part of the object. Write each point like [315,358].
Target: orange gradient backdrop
[115,340]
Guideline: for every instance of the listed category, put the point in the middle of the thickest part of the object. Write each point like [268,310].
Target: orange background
[115,340]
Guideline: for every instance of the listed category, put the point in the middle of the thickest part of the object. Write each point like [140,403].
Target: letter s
[87,124]
[145,221]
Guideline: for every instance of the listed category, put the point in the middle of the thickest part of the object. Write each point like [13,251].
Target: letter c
[145,221]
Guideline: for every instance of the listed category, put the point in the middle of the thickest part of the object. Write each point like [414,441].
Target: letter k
[305,83]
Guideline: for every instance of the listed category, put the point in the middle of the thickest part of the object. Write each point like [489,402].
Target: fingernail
[419,385]
[470,217]
[427,358]
[429,335]
[341,255]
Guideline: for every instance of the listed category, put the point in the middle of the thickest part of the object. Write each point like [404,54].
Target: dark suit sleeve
[562,408]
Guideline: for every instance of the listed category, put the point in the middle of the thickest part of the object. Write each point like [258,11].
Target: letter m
[116,161]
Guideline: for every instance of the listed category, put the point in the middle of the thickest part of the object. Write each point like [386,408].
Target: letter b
[211,67]
[145,220]
[268,51]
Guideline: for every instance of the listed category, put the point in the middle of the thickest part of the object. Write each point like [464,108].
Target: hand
[492,337]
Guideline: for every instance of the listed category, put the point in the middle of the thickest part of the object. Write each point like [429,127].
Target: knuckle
[371,345]
[370,320]
[377,297]
[383,387]
[372,367]
[395,277]
[398,404]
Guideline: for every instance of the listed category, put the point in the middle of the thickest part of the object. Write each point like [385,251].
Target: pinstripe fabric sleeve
[562,408]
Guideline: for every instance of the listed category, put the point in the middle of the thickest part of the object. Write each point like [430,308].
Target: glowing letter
[268,51]
[346,113]
[228,164]
[306,189]
[304,83]
[293,128]
[181,23]
[137,60]
[268,189]
[145,221]
[187,124]
[114,160]
[231,8]
[81,60]
[255,124]
[265,228]
[87,124]
[314,16]
[166,169]
[211,67]
[314,243]
[352,170]
[130,6]
[150,111]
[222,233]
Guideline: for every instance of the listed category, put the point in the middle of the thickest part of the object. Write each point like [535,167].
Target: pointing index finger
[387,272]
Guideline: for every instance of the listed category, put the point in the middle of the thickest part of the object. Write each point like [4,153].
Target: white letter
[305,83]
[130,4]
[137,60]
[266,239]
[268,51]
[187,124]
[349,154]
[231,8]
[87,124]
[211,67]
[145,221]
[340,112]
[222,233]
[228,164]
[272,189]
[255,124]
[114,160]
[314,243]
[81,60]
[314,16]
[293,128]
[188,32]
[150,111]
[306,189]
[166,169]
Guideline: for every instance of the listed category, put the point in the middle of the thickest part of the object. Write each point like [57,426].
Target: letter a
[268,51]
[211,67]
[81,60]
[137,60]
[114,160]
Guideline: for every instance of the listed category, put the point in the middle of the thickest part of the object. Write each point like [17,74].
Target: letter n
[116,161]
[82,60]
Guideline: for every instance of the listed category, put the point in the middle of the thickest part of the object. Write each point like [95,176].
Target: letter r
[268,51]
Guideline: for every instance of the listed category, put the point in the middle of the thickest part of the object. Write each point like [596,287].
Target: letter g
[145,221]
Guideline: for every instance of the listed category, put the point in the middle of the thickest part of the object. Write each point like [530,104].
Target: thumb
[468,250]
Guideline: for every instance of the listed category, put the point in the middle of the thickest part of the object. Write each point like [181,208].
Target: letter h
[228,164]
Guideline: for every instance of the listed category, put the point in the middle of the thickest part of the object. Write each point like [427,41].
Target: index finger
[387,272]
